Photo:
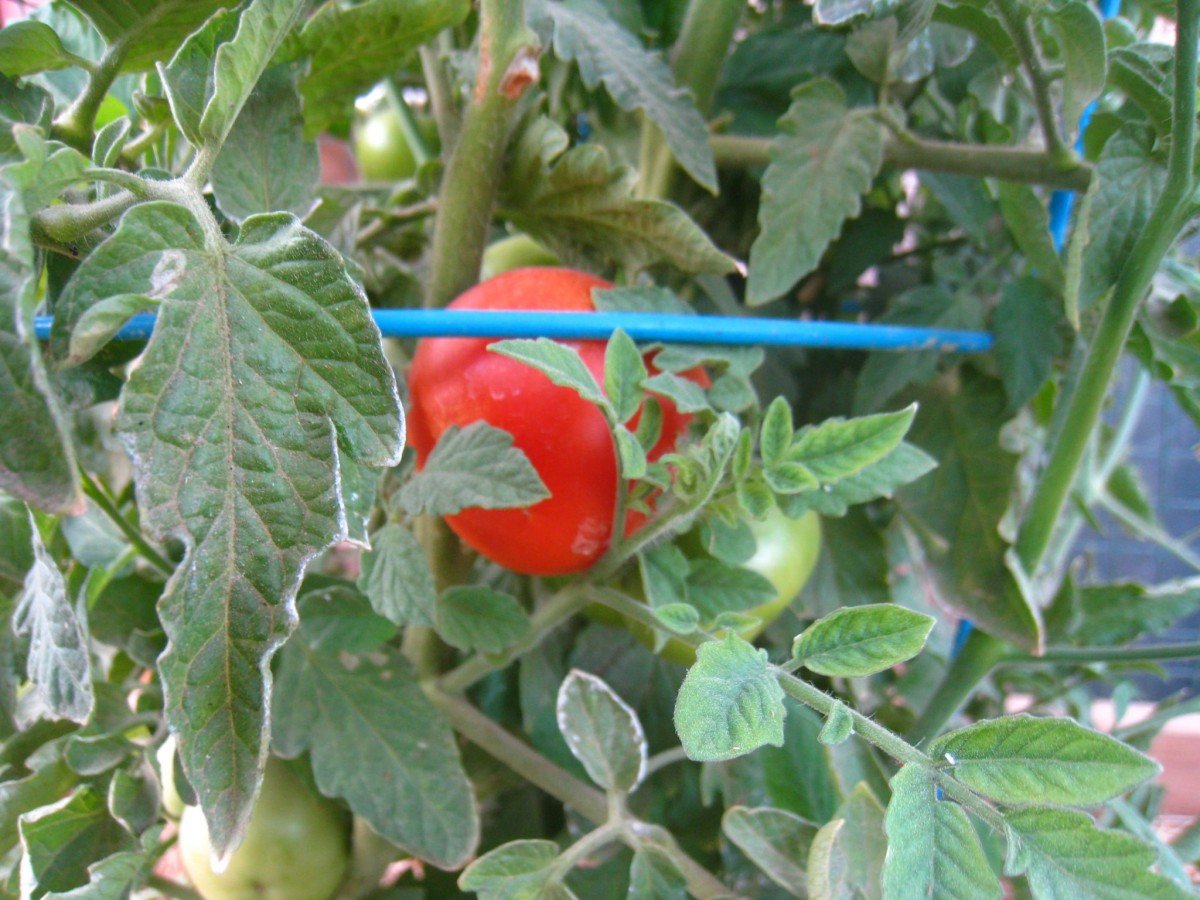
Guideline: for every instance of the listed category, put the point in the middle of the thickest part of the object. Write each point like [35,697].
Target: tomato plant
[725,584]
[296,845]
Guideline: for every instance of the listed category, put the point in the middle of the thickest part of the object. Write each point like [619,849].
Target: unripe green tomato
[516,252]
[172,803]
[787,551]
[296,846]
[382,149]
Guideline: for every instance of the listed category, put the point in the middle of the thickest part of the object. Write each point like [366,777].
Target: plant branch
[1016,22]
[907,151]
[441,96]
[1148,653]
[468,192]
[76,125]
[69,222]
[169,888]
[590,803]
[104,503]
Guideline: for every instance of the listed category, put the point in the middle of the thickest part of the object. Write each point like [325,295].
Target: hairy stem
[1016,22]
[473,172]
[77,123]
[906,151]
[104,503]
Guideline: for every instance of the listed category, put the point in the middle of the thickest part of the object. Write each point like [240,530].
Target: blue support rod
[646,327]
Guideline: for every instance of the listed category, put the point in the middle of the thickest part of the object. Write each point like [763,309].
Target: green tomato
[785,554]
[382,149]
[516,252]
[296,846]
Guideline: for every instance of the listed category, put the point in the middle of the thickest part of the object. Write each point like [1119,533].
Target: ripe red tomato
[457,381]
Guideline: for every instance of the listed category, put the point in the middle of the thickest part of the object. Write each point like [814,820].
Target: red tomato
[457,381]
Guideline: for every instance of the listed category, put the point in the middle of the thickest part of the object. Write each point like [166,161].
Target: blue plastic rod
[645,327]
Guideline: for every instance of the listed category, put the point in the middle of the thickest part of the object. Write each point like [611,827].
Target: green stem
[906,151]
[979,656]
[441,95]
[697,59]
[70,222]
[408,123]
[557,610]
[590,803]
[664,759]
[1149,653]
[474,169]
[594,840]
[169,888]
[1016,22]
[104,503]
[76,125]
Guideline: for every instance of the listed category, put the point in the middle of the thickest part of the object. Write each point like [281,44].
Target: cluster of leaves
[182,520]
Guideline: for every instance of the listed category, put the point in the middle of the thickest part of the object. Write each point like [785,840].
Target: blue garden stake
[1061,203]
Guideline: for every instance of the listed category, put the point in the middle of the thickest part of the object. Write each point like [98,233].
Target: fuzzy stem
[104,503]
[475,165]
[1016,22]
[76,125]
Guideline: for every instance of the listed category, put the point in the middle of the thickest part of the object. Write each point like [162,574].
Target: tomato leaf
[730,703]
[395,575]
[1115,614]
[624,372]
[473,617]
[1080,35]
[561,364]
[637,78]
[28,47]
[149,29]
[882,478]
[1022,759]
[775,840]
[58,662]
[401,772]
[1028,222]
[516,869]
[1026,323]
[933,850]
[838,448]
[602,731]
[839,725]
[862,640]
[265,164]
[714,588]
[823,161]
[653,875]
[60,841]
[476,466]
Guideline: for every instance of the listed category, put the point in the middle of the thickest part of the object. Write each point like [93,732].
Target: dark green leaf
[396,577]
[1026,324]
[115,877]
[775,840]
[653,875]
[334,617]
[1142,72]
[401,772]
[839,448]
[1028,222]
[62,840]
[1080,35]
[1115,614]
[29,47]
[477,466]
[933,851]
[821,164]
[602,731]
[149,29]
[862,640]
[1020,759]
[518,869]
[473,617]
[730,702]
[714,588]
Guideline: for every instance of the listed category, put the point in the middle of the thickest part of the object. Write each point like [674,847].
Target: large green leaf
[933,851]
[1114,614]
[28,47]
[264,370]
[775,840]
[823,161]
[61,841]
[862,640]
[149,29]
[376,741]
[352,47]
[1021,759]
[636,78]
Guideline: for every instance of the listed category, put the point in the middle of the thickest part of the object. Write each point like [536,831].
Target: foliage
[215,537]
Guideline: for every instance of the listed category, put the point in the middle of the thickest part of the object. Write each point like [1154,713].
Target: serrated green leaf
[823,161]
[730,703]
[513,871]
[474,617]
[861,842]
[242,465]
[395,575]
[887,374]
[687,396]
[41,788]
[653,875]
[602,731]
[334,618]
[353,47]
[1065,856]
[561,364]
[839,448]
[58,662]
[150,30]
[624,373]
[933,851]
[402,771]
[1115,614]
[1080,36]
[636,78]
[476,466]
[62,840]
[862,640]
[1026,324]
[1142,71]
[1028,222]
[775,435]
[265,165]
[714,587]
[775,840]
[585,210]
[630,452]
[28,47]
[902,466]
[112,878]
[187,78]
[681,618]
[790,478]
[1022,759]
[664,572]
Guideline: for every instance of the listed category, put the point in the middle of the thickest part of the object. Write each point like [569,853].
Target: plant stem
[69,222]
[169,888]
[408,123]
[979,656]
[75,126]
[1016,22]
[104,503]
[590,803]
[474,169]
[441,96]
[697,59]
[664,759]
[1149,653]
[907,151]
[557,610]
